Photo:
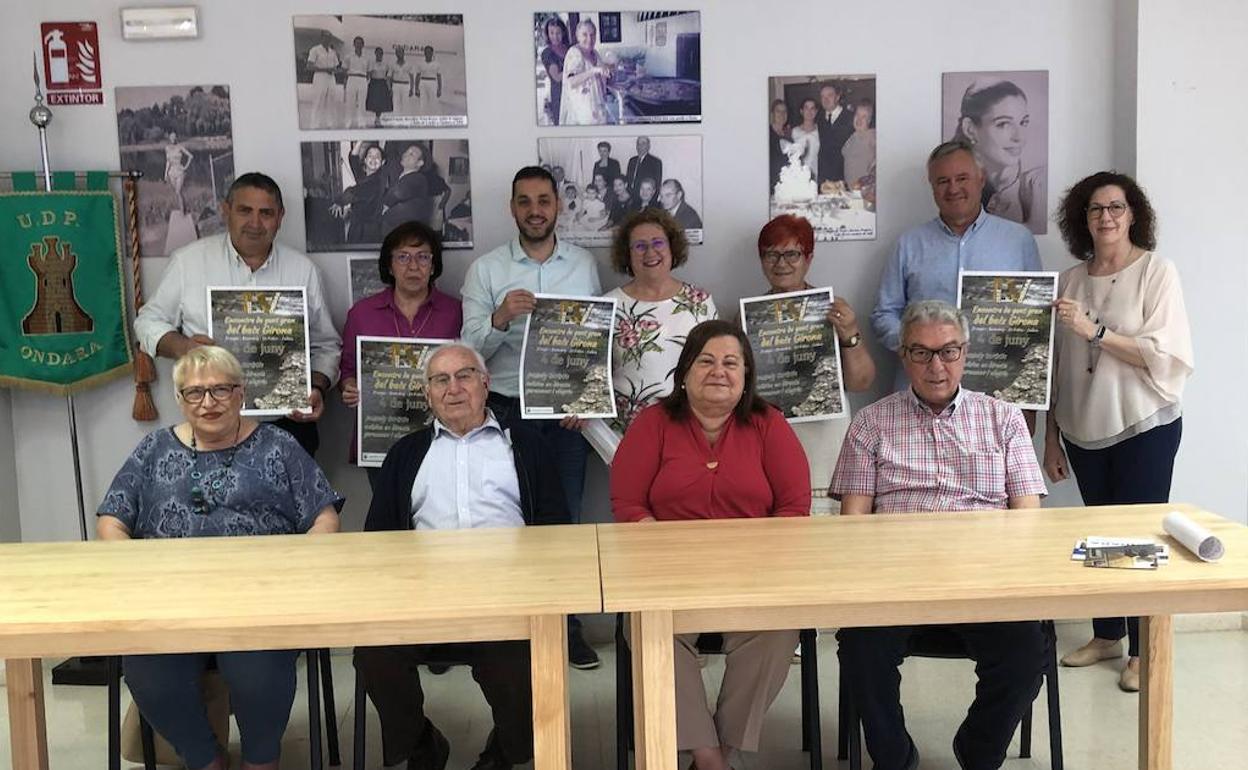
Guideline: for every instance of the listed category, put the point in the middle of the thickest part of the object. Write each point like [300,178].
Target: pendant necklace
[206,486]
[1094,351]
[420,328]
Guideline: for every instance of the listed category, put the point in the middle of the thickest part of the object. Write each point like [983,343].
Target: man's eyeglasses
[404,257]
[921,355]
[791,257]
[464,376]
[195,394]
[641,247]
[1115,209]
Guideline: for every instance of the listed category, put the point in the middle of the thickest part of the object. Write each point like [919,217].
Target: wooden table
[740,575]
[106,598]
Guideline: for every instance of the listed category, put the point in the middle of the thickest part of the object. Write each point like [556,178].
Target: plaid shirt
[974,455]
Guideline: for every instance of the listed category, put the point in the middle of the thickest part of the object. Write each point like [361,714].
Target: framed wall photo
[822,153]
[597,68]
[357,190]
[181,138]
[364,277]
[371,71]
[1005,117]
[601,180]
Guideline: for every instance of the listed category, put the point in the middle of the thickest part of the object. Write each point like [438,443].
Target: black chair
[938,642]
[316,659]
[812,738]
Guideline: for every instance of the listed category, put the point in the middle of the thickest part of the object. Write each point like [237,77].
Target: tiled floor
[1098,721]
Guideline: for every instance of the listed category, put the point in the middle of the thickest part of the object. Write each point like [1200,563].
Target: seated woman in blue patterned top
[217,474]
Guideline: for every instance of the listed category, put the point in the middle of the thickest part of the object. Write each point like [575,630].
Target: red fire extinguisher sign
[71,62]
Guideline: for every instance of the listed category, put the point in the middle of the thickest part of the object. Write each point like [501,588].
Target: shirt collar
[385,299]
[925,409]
[233,252]
[518,253]
[491,423]
[979,221]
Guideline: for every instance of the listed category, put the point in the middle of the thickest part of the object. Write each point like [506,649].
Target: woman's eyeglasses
[1115,209]
[195,394]
[791,257]
[420,257]
[641,247]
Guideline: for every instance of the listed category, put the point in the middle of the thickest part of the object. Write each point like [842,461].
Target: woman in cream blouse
[1124,352]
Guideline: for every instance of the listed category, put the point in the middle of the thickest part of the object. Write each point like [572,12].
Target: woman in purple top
[410,262]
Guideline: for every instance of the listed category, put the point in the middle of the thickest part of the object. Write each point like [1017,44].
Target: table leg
[654,690]
[552,742]
[1156,692]
[27,729]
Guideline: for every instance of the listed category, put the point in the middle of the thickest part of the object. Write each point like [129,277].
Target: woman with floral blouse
[656,310]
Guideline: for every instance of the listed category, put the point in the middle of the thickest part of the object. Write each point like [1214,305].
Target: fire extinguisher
[58,57]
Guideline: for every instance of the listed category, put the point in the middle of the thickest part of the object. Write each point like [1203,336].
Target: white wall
[248,45]
[10,521]
[1195,180]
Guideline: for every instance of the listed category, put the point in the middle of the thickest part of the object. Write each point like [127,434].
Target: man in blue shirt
[928,258]
[497,295]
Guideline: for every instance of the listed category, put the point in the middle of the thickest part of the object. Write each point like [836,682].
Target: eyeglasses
[1115,209]
[195,394]
[641,247]
[421,257]
[464,376]
[921,355]
[791,257]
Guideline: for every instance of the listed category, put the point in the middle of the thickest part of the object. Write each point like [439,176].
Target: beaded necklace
[204,499]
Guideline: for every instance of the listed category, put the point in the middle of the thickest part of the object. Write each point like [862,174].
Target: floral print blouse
[648,340]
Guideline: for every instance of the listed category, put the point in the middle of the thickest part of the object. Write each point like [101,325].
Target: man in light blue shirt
[928,258]
[498,293]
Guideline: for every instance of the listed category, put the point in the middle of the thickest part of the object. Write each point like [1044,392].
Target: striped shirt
[974,455]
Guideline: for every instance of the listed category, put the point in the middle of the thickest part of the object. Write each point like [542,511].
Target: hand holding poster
[267,331]
[796,354]
[393,402]
[565,362]
[1011,345]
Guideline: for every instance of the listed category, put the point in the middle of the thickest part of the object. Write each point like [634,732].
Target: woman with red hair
[786,246]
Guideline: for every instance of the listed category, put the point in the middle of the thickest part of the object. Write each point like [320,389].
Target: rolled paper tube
[1193,537]
[603,440]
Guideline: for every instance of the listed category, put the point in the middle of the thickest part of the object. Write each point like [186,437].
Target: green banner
[62,292]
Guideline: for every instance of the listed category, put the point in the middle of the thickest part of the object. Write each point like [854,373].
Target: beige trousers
[755,666]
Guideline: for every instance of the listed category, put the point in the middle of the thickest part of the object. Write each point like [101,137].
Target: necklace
[1097,313]
[416,333]
[205,487]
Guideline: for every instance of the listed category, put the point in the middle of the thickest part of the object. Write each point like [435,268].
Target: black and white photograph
[601,180]
[181,138]
[822,152]
[356,191]
[598,68]
[1005,118]
[267,331]
[363,277]
[393,71]
[565,361]
[796,355]
[1010,355]
[392,393]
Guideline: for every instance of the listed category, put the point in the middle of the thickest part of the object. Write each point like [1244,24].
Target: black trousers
[305,433]
[1137,470]
[392,680]
[1009,661]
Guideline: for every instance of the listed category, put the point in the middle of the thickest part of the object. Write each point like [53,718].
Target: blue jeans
[262,689]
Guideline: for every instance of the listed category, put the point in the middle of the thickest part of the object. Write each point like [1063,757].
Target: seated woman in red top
[713,449]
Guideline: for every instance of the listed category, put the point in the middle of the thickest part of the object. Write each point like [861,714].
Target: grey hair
[439,350]
[202,358]
[944,149]
[933,311]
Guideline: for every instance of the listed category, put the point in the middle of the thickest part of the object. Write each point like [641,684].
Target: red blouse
[664,468]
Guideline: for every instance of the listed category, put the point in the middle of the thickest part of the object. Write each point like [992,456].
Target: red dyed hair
[787,227]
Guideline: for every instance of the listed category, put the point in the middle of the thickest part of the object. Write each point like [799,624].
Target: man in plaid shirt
[937,447]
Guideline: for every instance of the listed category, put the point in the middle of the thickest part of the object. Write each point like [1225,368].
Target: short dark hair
[674,183]
[622,242]
[605,144]
[676,403]
[533,172]
[409,232]
[258,181]
[1072,213]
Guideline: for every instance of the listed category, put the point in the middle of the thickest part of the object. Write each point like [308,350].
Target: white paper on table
[600,436]
[1193,537]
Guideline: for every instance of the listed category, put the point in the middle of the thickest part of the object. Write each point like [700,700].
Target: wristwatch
[852,342]
[1097,338]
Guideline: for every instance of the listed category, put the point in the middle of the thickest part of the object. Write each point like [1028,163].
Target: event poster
[356,191]
[393,402]
[181,138]
[1010,355]
[797,357]
[601,180]
[364,278]
[394,71]
[822,153]
[597,68]
[565,361]
[1005,117]
[267,331]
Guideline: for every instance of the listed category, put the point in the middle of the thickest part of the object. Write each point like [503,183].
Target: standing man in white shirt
[498,293]
[355,88]
[323,61]
[175,317]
